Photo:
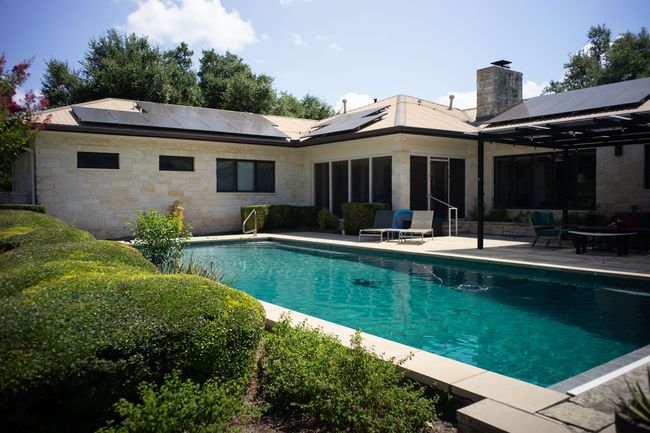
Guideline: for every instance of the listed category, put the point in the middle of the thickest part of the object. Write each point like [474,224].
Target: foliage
[85,322]
[181,406]
[327,220]
[638,408]
[124,66]
[128,66]
[348,390]
[17,123]
[605,61]
[161,238]
[26,228]
[279,216]
[192,267]
[29,207]
[357,216]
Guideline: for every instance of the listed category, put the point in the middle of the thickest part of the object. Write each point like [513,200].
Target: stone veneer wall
[619,180]
[103,201]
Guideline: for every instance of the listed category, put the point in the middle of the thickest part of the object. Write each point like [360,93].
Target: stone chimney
[497,87]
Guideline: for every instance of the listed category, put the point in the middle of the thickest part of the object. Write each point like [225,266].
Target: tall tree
[62,85]
[315,108]
[604,61]
[184,88]
[229,83]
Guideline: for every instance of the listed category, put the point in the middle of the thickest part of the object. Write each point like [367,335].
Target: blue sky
[331,48]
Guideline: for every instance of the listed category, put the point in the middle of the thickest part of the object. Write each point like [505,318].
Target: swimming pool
[535,325]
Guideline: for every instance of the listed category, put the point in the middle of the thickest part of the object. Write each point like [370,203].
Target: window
[98,160]
[339,186]
[235,175]
[538,181]
[175,163]
[322,184]
[382,185]
[360,180]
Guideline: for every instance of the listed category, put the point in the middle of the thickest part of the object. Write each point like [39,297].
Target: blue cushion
[549,232]
[543,218]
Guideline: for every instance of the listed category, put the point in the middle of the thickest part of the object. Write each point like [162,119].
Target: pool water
[534,325]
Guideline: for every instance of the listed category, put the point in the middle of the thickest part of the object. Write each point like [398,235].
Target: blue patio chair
[545,226]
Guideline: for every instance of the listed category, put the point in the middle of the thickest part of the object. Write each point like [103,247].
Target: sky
[334,49]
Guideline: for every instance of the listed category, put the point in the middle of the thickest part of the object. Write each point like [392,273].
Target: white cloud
[355,100]
[336,47]
[462,100]
[286,3]
[265,37]
[532,89]
[467,99]
[322,37]
[298,40]
[191,21]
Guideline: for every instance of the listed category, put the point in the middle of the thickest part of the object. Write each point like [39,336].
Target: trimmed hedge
[344,389]
[357,216]
[29,207]
[277,217]
[84,323]
[25,228]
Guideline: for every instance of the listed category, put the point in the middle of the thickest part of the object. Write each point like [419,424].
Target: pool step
[489,416]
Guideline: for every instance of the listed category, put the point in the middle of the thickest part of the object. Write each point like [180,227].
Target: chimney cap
[502,63]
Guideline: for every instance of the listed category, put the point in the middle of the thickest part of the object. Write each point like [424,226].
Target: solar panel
[162,120]
[589,99]
[156,108]
[92,115]
[349,121]
[129,118]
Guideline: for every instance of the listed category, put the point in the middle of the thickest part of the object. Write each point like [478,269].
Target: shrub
[192,267]
[278,217]
[160,238]
[345,389]
[357,216]
[29,207]
[83,323]
[19,227]
[180,406]
[327,220]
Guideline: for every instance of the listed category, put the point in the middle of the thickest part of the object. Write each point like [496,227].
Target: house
[95,164]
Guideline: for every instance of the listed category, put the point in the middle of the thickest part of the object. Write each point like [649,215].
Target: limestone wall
[103,201]
[619,180]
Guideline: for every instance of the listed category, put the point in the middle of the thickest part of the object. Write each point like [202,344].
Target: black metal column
[479,192]
[565,182]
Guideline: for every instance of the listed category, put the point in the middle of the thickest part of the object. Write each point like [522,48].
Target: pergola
[552,128]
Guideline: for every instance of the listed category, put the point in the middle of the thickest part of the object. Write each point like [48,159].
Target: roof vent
[502,63]
[451,101]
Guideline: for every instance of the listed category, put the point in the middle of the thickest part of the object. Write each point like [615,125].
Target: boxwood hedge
[278,217]
[20,227]
[357,216]
[83,323]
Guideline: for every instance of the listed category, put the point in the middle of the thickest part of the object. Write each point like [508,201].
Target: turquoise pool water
[538,326]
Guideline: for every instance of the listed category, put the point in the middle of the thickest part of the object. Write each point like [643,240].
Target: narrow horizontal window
[234,175]
[98,160]
[175,163]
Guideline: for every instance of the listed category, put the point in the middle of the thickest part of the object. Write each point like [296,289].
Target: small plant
[160,238]
[637,409]
[327,220]
[177,212]
[192,267]
[344,389]
[181,406]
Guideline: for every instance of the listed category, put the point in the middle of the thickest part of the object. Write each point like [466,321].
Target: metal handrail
[243,226]
[450,209]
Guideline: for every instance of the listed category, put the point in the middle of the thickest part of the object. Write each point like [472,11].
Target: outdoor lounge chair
[383,224]
[421,225]
[544,225]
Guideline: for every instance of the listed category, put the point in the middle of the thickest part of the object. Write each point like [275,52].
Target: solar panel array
[592,98]
[348,122]
[167,116]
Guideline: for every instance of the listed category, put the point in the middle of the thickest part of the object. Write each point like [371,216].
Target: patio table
[580,239]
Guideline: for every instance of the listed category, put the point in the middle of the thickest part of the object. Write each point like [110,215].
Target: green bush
[279,217]
[29,207]
[347,390]
[84,323]
[19,227]
[161,238]
[327,220]
[357,216]
[180,406]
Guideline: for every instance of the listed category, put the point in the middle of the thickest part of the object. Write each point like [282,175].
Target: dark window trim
[647,166]
[555,182]
[255,180]
[185,158]
[97,166]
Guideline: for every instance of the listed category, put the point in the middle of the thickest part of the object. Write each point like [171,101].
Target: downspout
[33,173]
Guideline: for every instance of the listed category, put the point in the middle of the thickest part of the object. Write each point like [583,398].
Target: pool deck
[500,403]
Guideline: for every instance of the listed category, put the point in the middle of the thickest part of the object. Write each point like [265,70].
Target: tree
[17,126]
[230,84]
[287,105]
[605,61]
[62,85]
[315,108]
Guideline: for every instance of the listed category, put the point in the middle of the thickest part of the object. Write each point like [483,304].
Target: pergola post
[565,182]
[479,192]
